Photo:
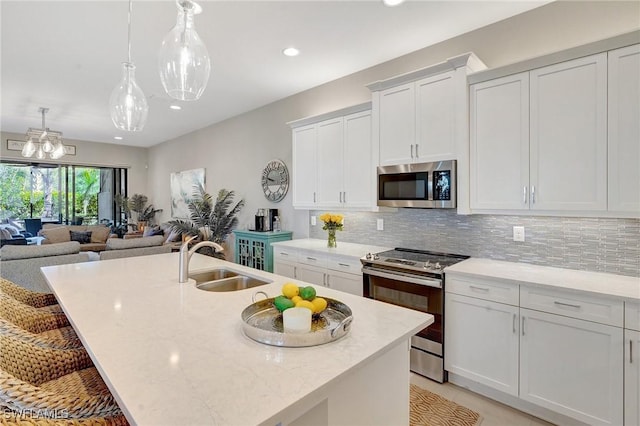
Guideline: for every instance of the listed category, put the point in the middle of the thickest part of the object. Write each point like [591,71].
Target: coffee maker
[264,219]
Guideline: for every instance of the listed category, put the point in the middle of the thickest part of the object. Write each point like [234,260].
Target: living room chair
[51,383]
[33,226]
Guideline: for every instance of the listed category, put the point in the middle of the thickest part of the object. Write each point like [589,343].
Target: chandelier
[43,142]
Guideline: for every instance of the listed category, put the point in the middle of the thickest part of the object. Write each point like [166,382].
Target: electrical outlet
[380,225]
[313,221]
[518,233]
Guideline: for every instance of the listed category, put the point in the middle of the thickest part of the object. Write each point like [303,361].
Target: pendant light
[127,104]
[183,59]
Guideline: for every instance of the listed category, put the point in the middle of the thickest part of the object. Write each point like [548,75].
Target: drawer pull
[311,258]
[568,305]
[630,351]
[346,265]
[476,288]
[284,254]
[514,322]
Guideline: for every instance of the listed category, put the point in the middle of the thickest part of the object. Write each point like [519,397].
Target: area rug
[429,409]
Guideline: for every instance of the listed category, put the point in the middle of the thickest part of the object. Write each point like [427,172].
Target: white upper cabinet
[397,125]
[624,129]
[330,162]
[568,131]
[304,166]
[420,116]
[435,118]
[499,154]
[334,162]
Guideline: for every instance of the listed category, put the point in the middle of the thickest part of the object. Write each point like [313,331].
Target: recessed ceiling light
[176,107]
[392,3]
[118,138]
[290,51]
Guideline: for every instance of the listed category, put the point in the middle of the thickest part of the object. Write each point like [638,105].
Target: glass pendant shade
[40,153]
[29,148]
[183,59]
[58,151]
[127,104]
[47,146]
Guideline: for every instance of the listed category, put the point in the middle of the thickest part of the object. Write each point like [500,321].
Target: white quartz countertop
[343,249]
[172,354]
[591,282]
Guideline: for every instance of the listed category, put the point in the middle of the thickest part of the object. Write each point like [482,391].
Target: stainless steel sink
[225,280]
[212,275]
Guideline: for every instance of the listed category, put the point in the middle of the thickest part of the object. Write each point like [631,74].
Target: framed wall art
[183,185]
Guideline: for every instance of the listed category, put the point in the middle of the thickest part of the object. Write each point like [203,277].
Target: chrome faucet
[185,256]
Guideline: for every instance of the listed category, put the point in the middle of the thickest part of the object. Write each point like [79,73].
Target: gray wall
[94,154]
[593,244]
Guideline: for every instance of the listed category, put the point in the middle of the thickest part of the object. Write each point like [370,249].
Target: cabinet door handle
[524,194]
[481,289]
[344,197]
[314,197]
[411,150]
[417,155]
[568,305]
[630,351]
[327,280]
[515,317]
[295,272]
[523,326]
[340,197]
[533,194]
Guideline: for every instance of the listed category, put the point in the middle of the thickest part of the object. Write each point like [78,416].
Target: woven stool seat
[55,339]
[28,297]
[56,383]
[28,317]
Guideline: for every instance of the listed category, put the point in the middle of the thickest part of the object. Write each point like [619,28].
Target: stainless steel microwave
[422,185]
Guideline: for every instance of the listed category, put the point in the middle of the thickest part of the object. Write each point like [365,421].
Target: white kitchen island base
[174,354]
[375,394]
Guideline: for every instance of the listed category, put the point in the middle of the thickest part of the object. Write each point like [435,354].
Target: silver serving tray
[262,322]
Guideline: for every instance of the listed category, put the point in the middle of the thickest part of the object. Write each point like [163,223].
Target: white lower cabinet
[338,272]
[481,341]
[572,366]
[631,377]
[555,349]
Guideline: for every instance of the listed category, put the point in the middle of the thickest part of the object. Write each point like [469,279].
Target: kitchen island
[173,354]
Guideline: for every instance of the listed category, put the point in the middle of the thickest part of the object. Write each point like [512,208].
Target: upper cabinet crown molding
[468,60]
[353,109]
[600,46]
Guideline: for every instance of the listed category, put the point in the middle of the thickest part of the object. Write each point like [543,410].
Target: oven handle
[399,276]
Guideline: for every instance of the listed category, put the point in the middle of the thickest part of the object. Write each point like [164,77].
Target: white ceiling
[66,55]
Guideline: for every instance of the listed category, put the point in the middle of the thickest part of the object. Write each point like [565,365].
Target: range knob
[368,256]
[376,257]
[437,267]
[427,265]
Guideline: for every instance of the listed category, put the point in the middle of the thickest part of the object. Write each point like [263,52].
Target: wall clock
[275,180]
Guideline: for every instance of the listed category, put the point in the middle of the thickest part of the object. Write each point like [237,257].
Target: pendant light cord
[129,33]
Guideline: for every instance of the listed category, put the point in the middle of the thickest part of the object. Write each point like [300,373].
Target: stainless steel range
[414,279]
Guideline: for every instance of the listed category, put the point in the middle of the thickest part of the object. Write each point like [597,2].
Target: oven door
[410,291]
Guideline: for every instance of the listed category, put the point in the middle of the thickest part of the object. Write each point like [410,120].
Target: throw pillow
[12,229]
[149,231]
[5,234]
[83,237]
[173,236]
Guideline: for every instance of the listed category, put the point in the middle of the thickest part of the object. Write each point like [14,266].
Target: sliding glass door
[61,193]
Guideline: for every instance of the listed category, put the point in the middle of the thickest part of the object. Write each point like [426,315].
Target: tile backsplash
[592,244]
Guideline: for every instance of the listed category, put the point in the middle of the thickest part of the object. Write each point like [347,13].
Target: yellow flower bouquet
[332,223]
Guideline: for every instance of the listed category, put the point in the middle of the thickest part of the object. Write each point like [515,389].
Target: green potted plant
[146,213]
[209,220]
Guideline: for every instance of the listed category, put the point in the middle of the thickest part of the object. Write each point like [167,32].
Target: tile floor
[493,413]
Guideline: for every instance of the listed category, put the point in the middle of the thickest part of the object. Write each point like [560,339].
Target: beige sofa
[96,241]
